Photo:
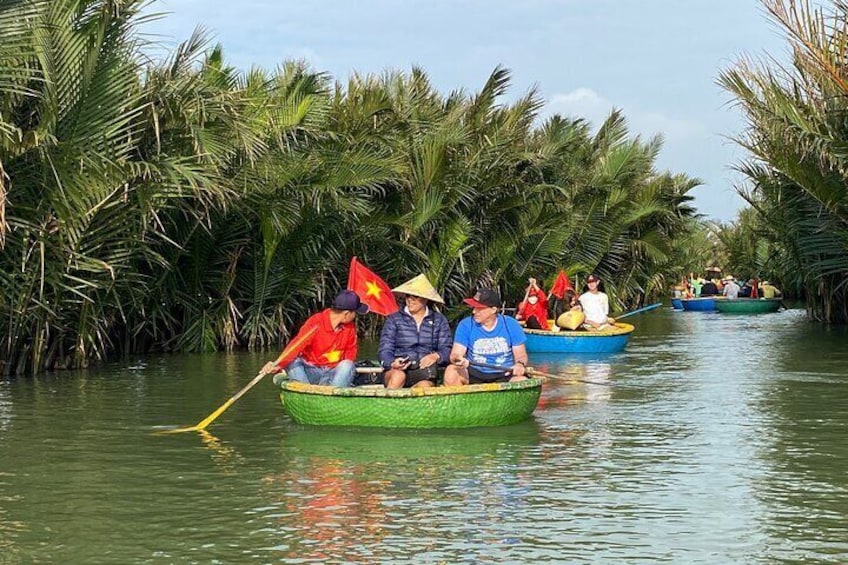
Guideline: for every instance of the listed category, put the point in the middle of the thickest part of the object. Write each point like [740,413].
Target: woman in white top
[595,305]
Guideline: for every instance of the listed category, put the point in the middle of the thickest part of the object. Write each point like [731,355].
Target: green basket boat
[494,404]
[748,305]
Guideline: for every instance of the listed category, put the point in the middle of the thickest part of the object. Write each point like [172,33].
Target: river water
[715,439]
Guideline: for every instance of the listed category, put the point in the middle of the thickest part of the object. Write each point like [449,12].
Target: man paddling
[325,348]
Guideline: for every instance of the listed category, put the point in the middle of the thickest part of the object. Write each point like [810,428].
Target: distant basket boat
[703,304]
[609,340]
[749,305]
[493,404]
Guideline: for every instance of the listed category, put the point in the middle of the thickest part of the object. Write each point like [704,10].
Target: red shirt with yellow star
[327,347]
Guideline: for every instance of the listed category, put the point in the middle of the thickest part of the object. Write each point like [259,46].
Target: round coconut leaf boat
[609,340]
[748,305]
[493,404]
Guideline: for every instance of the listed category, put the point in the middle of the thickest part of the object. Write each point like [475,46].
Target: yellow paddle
[293,348]
[534,373]
[211,417]
[564,378]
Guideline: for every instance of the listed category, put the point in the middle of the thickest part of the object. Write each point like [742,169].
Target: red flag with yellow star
[372,290]
[561,284]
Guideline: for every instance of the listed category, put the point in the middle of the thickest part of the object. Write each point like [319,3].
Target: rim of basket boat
[620,329]
[744,298]
[294,386]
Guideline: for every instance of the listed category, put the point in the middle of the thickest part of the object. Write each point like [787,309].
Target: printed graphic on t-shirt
[493,348]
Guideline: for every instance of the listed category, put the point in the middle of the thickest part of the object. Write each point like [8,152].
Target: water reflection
[345,492]
[225,456]
[585,378]
[388,446]
[10,528]
[6,406]
[805,493]
[324,508]
[803,416]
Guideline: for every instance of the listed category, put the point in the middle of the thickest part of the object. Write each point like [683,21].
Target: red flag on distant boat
[561,284]
[372,290]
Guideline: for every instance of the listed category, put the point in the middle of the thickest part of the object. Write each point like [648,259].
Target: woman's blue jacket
[401,337]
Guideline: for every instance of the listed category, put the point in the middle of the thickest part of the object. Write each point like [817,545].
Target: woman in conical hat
[420,287]
[417,340]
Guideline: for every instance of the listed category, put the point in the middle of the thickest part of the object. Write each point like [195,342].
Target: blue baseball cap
[349,300]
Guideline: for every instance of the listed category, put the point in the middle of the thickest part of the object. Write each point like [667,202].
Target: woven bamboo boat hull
[706,304]
[609,340]
[495,404]
[749,305]
[677,303]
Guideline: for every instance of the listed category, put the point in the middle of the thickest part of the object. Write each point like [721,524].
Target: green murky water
[721,440]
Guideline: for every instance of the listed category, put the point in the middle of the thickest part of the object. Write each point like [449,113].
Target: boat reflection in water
[579,372]
[342,492]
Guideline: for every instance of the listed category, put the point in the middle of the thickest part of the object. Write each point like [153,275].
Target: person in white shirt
[731,289]
[595,305]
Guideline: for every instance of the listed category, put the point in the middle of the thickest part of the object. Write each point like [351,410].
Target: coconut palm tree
[796,136]
[74,104]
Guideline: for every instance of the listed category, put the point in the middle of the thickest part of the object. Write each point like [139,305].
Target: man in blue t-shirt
[488,347]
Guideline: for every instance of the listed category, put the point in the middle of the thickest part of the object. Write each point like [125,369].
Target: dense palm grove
[185,205]
[797,227]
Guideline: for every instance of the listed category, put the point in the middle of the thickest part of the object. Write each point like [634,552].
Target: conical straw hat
[420,286]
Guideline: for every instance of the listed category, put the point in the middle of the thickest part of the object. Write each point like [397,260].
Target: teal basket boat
[494,404]
[748,305]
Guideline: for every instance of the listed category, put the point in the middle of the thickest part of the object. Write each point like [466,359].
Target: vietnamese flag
[561,284]
[372,290]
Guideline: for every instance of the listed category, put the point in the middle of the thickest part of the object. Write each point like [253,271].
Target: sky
[656,60]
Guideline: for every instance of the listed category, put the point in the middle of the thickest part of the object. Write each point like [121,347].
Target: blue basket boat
[704,304]
[609,340]
[677,303]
